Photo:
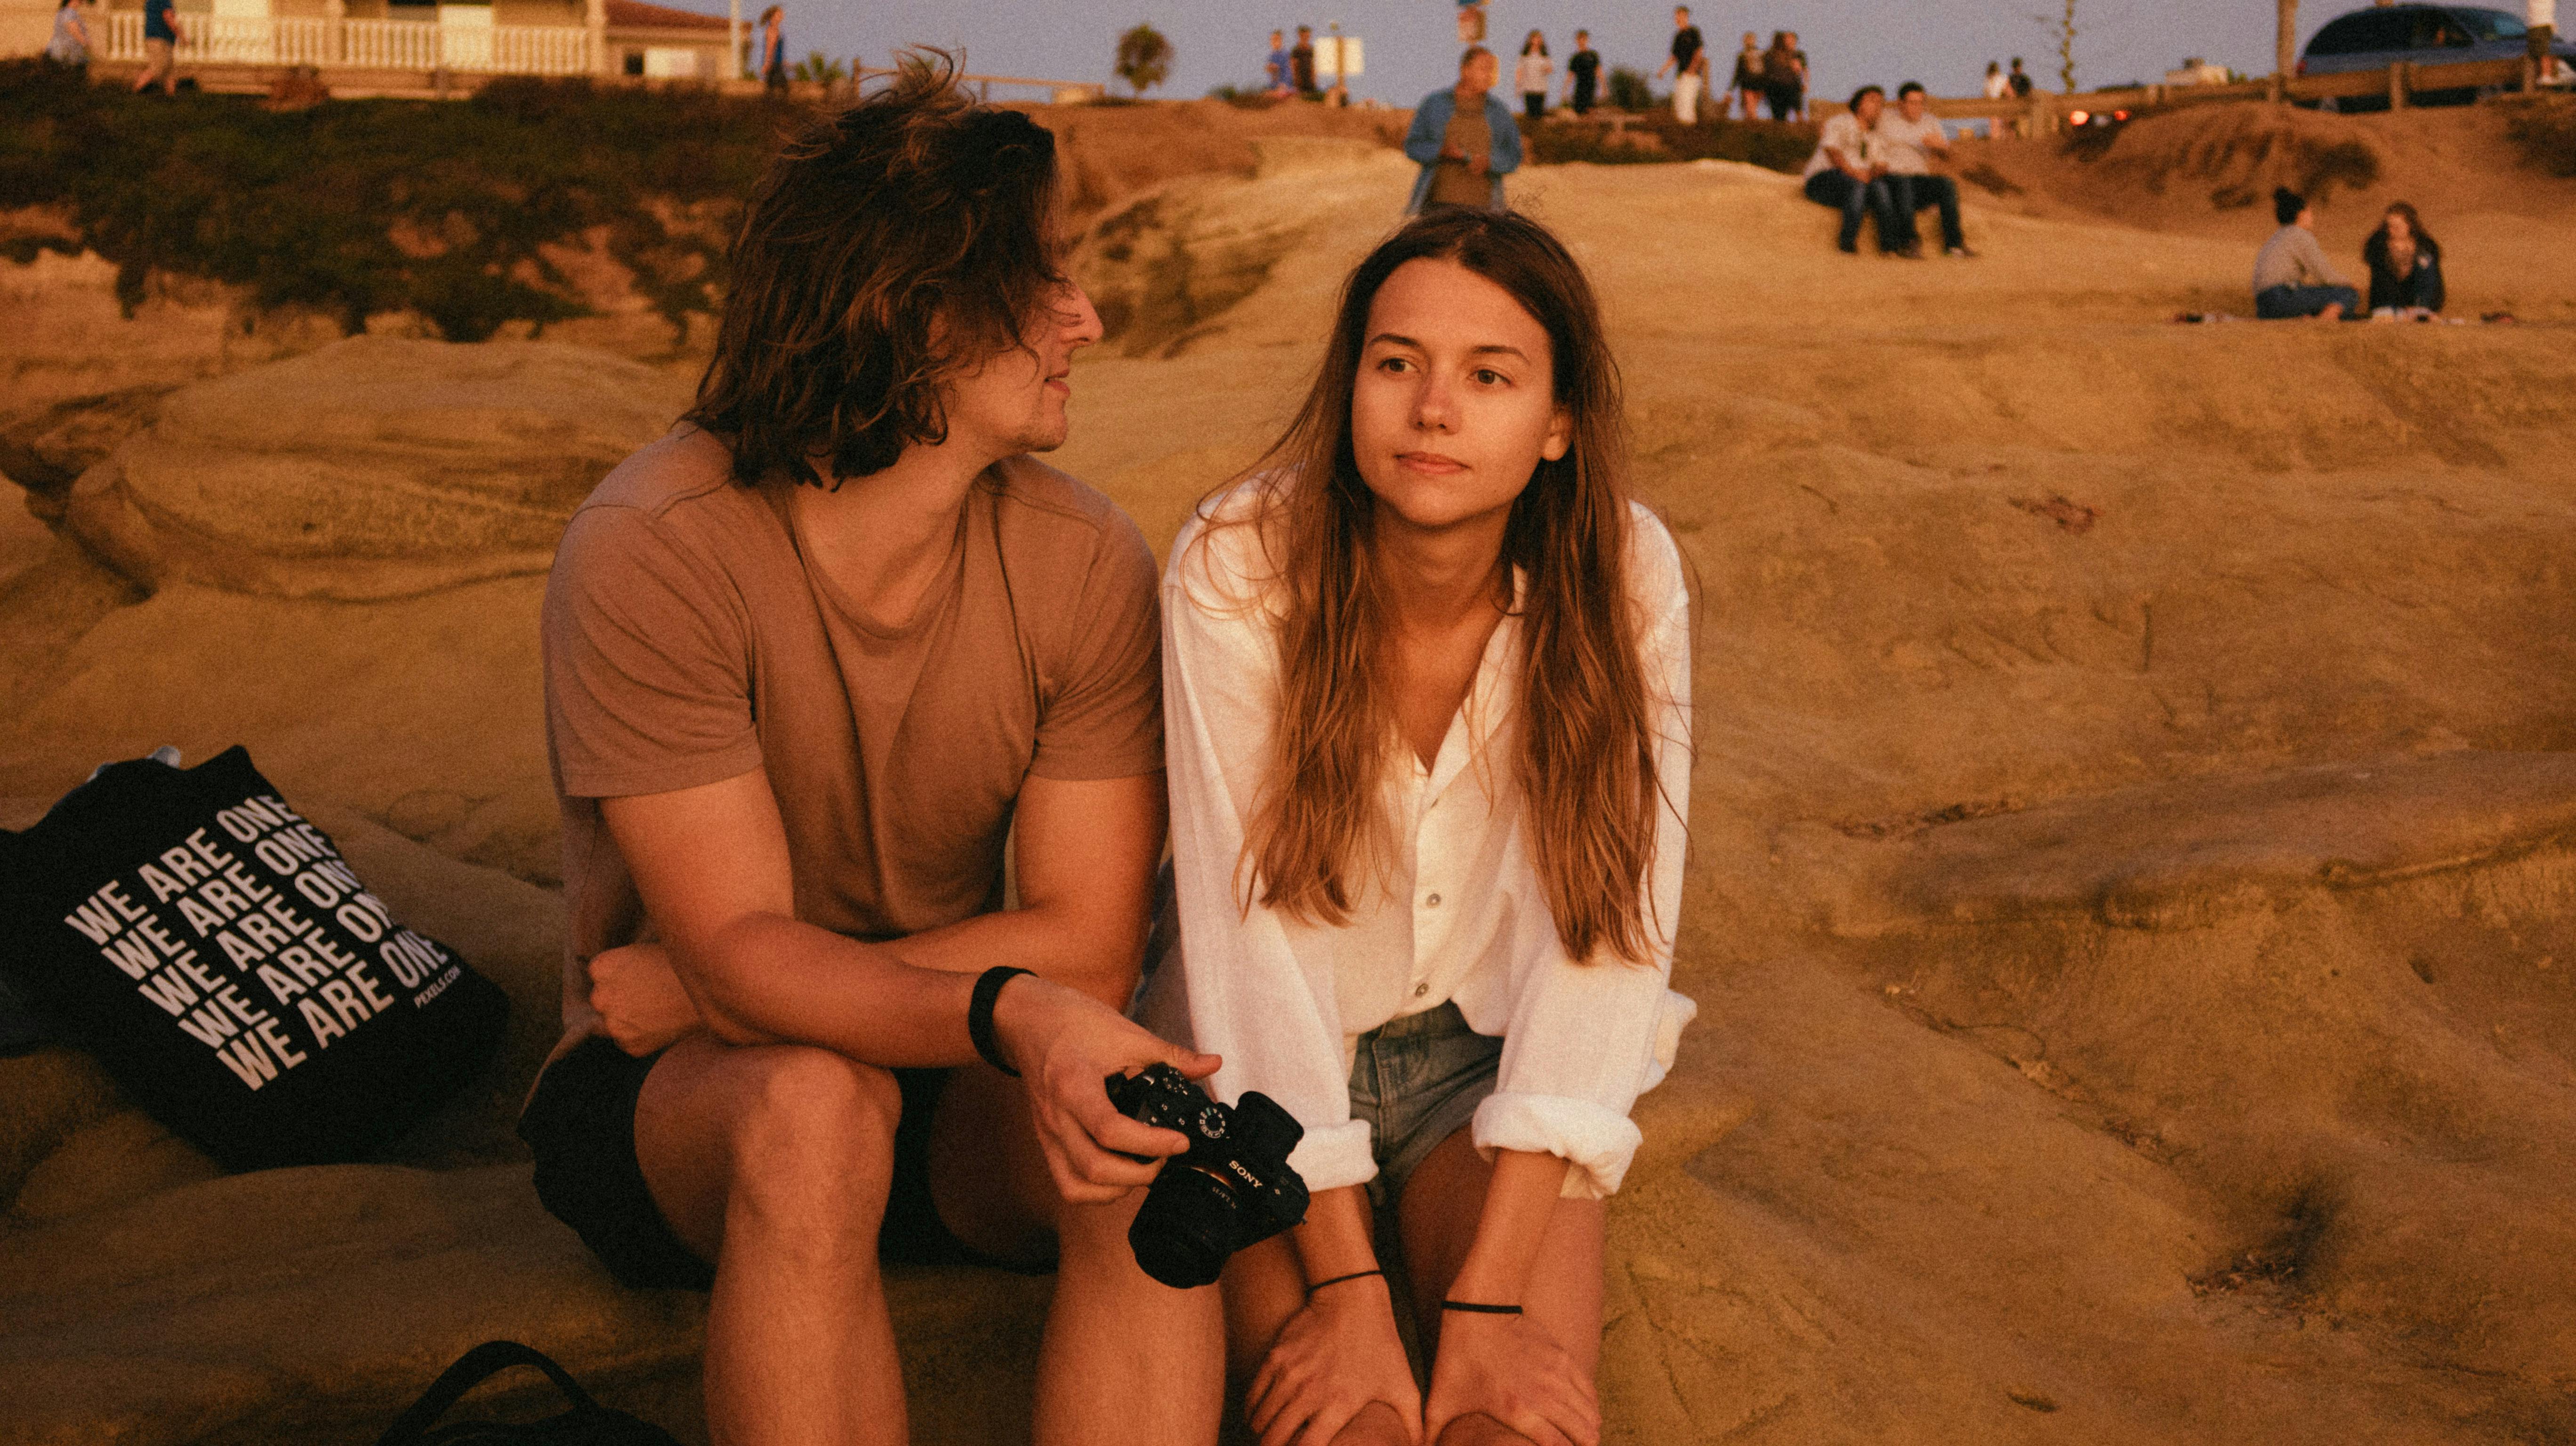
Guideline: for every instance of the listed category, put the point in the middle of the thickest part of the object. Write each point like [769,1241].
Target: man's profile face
[1015,400]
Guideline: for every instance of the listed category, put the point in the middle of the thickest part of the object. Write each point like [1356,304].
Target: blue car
[2379,37]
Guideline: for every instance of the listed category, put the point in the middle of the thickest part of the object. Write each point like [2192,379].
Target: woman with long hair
[1532,75]
[2405,267]
[1427,691]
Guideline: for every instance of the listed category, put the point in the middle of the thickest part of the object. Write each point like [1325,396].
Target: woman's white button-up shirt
[1461,916]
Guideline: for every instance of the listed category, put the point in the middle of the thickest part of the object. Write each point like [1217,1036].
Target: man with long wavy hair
[813,661]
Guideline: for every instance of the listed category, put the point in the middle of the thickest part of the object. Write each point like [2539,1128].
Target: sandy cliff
[2131,875]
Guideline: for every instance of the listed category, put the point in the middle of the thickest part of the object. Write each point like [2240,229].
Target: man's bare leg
[1126,1358]
[774,1161]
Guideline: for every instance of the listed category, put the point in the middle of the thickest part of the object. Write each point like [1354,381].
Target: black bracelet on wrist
[979,1015]
[1336,1280]
[1474,1308]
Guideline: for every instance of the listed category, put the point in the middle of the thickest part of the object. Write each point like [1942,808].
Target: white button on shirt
[1286,1002]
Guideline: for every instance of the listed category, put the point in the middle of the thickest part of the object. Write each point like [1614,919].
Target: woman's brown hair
[886,247]
[1586,759]
[2374,250]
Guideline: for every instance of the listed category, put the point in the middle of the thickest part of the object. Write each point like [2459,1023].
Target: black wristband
[1474,1308]
[979,1015]
[1336,1280]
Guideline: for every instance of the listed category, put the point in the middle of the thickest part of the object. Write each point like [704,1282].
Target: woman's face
[1455,403]
[2398,230]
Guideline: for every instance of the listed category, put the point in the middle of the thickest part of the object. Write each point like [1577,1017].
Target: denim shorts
[1416,1081]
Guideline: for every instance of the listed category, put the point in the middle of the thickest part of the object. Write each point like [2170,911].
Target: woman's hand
[1338,1354]
[1065,1044]
[1509,1367]
[639,998]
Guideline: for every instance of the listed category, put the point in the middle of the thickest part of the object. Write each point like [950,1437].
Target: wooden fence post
[2398,84]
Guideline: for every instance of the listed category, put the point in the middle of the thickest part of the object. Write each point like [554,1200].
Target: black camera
[1232,1188]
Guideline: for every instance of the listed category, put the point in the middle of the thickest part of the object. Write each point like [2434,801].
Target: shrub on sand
[454,209]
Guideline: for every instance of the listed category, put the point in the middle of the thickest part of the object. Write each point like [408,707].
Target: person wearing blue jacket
[1464,139]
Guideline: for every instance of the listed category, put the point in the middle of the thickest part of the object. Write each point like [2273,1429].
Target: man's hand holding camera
[1064,1042]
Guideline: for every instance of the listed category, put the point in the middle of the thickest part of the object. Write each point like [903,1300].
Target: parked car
[2383,35]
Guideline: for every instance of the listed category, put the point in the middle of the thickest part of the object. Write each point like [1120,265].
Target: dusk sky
[1411,44]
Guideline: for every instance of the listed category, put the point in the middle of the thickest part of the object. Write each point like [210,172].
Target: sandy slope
[2131,872]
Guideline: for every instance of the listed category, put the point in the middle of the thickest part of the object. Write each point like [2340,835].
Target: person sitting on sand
[2405,267]
[1428,674]
[1465,140]
[1908,138]
[813,662]
[2292,277]
[1846,174]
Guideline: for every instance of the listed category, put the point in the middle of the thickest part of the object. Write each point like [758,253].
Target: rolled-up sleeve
[1273,1017]
[1585,1039]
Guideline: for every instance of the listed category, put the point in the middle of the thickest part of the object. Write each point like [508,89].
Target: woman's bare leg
[1264,1285]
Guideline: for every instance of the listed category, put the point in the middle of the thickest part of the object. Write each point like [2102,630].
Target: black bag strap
[473,1369]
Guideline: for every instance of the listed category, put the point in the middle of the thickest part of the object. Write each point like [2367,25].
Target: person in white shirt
[1907,140]
[1847,174]
[1998,85]
[1427,688]
[1532,74]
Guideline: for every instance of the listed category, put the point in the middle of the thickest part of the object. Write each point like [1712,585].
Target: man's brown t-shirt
[688,642]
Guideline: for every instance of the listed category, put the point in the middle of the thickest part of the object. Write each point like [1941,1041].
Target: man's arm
[711,864]
[1086,853]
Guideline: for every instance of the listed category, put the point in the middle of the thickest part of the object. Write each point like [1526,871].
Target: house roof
[639,15]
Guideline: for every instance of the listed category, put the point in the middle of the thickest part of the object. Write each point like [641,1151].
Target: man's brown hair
[887,246]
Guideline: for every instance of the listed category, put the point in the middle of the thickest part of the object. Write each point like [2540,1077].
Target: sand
[2131,870]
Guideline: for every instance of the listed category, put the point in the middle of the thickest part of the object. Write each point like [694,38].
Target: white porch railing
[367,44]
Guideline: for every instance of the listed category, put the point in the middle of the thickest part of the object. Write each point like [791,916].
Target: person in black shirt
[1688,79]
[1583,74]
[1301,61]
[2405,266]
[2019,80]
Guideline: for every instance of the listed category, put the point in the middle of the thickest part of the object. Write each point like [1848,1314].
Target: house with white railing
[364,45]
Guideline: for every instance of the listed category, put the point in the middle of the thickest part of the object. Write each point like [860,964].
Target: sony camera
[1233,1187]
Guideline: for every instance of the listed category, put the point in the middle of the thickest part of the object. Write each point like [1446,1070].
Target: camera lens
[1185,1229]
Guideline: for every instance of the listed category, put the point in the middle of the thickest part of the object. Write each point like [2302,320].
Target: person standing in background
[2019,81]
[1532,74]
[1583,74]
[1464,140]
[1747,81]
[1277,65]
[1685,67]
[1997,87]
[70,43]
[160,48]
[773,51]
[2542,15]
[1785,69]
[1301,61]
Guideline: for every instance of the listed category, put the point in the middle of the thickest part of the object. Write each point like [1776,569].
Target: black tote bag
[229,969]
